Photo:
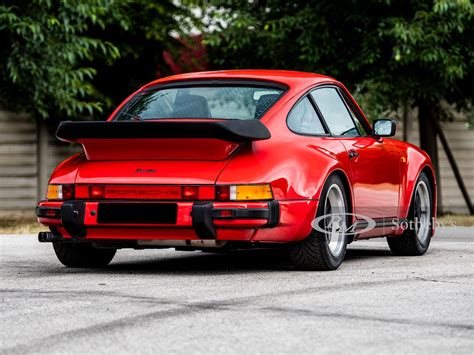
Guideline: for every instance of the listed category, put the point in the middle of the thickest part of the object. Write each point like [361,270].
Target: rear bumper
[269,221]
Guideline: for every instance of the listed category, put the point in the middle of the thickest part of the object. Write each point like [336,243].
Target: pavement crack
[113,325]
[181,308]
[311,313]
[441,281]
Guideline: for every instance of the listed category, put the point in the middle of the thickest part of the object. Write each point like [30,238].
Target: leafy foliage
[153,29]
[52,51]
[42,45]
[389,52]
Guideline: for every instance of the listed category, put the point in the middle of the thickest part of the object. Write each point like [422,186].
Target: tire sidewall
[334,261]
[422,246]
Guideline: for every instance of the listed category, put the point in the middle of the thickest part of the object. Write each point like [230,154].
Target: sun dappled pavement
[247,301]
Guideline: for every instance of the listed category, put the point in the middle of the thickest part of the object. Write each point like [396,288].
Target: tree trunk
[427,113]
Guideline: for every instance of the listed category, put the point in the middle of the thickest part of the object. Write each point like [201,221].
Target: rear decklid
[158,152]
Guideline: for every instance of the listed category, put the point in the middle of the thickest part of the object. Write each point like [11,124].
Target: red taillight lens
[96,192]
[223,193]
[68,192]
[190,192]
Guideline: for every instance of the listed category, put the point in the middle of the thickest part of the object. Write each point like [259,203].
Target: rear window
[219,102]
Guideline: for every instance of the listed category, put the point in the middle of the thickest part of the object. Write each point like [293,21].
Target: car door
[373,162]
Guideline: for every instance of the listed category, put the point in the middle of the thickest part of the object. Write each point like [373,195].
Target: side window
[304,119]
[335,113]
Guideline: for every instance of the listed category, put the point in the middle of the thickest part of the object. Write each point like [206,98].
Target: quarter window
[360,126]
[304,119]
[335,112]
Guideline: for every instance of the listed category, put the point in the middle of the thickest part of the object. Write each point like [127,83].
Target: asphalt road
[245,302]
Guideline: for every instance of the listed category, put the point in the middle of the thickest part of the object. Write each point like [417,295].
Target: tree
[156,32]
[391,53]
[67,58]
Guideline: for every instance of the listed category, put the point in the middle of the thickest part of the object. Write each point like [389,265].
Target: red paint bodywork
[380,182]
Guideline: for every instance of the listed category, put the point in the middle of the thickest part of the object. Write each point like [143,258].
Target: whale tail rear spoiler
[176,139]
[228,130]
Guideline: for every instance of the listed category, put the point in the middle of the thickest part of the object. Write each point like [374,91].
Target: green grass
[20,225]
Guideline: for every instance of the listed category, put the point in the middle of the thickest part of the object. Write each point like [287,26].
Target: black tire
[408,243]
[82,255]
[313,253]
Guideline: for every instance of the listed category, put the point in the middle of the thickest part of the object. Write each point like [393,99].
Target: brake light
[60,192]
[190,192]
[96,192]
[244,192]
[223,193]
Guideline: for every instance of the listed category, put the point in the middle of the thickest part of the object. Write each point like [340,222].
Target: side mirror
[385,128]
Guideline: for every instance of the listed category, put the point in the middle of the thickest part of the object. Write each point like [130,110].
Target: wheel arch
[347,187]
[428,170]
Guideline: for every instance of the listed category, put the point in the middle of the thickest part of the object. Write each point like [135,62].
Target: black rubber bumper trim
[72,218]
[274,217]
[203,214]
[202,220]
[41,212]
[240,213]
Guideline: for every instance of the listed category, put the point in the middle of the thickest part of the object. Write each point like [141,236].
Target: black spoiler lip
[228,130]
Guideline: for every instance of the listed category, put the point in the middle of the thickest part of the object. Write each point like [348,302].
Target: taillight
[252,192]
[223,193]
[190,192]
[60,192]
[96,192]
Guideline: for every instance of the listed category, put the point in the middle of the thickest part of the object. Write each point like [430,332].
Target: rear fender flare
[347,187]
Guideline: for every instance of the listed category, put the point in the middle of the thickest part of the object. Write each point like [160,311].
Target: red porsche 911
[238,159]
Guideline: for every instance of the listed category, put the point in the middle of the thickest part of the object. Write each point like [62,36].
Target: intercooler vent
[137,213]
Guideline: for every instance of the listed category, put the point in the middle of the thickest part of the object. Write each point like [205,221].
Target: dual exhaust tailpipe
[48,237]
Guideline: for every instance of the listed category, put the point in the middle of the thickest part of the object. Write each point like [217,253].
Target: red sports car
[237,159]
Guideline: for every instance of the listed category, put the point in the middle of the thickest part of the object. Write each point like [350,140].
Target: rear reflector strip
[251,192]
[143,192]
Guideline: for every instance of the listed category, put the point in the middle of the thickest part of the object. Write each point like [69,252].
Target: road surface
[246,302]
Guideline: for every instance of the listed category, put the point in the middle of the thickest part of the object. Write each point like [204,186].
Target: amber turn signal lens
[60,192]
[251,192]
[244,192]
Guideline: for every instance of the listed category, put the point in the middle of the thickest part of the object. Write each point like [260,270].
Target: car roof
[288,78]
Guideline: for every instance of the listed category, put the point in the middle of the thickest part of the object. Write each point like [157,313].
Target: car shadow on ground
[234,262]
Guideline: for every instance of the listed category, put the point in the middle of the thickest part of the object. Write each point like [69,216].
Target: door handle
[353,154]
